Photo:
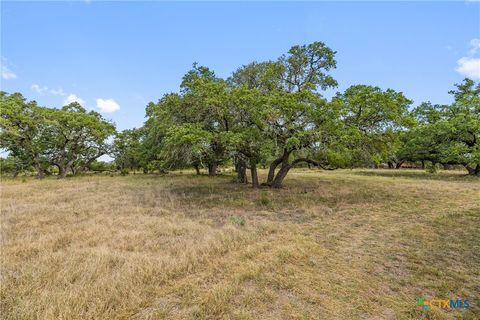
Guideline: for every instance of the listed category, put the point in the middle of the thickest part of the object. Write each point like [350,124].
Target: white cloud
[7,73]
[42,89]
[475,46]
[73,98]
[37,88]
[107,105]
[469,66]
[58,92]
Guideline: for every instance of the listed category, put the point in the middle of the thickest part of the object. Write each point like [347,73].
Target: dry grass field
[359,244]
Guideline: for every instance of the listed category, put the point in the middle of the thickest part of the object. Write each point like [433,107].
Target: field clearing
[346,244]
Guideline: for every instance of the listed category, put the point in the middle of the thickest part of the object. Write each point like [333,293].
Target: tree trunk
[390,165]
[282,173]
[62,173]
[40,171]
[273,167]
[241,168]
[212,169]
[399,165]
[64,168]
[253,170]
[17,170]
[275,164]
[473,171]
[38,166]
[197,169]
[447,166]
[423,164]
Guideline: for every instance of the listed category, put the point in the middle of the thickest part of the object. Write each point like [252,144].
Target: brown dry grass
[331,245]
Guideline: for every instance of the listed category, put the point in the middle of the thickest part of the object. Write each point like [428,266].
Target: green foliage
[69,138]
[448,134]
[129,149]
[189,128]
[99,166]
[23,131]
[273,112]
[266,113]
[77,137]
[7,165]
[374,121]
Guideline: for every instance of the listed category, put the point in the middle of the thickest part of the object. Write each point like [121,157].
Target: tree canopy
[274,113]
[271,114]
[69,138]
[448,134]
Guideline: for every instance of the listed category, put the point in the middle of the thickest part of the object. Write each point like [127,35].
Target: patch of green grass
[236,220]
[265,201]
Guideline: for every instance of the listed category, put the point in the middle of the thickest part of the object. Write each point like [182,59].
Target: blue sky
[122,55]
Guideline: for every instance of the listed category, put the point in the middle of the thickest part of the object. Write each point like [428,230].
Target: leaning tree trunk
[285,168]
[271,171]
[282,173]
[273,166]
[253,170]
[399,165]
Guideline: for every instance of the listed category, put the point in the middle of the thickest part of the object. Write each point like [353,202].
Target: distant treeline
[270,114]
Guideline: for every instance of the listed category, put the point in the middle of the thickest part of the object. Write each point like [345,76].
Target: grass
[361,244]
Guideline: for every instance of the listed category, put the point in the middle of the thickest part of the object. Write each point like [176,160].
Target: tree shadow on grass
[418,174]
